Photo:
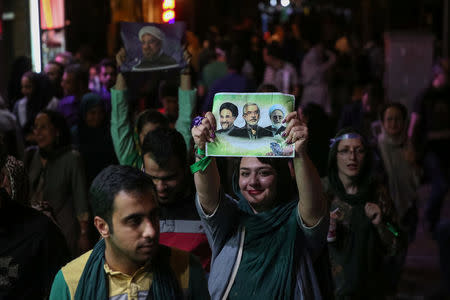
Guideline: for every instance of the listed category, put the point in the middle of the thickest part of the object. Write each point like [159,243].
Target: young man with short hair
[107,74]
[128,262]
[165,160]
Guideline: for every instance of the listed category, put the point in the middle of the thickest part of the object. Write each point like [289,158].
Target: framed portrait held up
[152,47]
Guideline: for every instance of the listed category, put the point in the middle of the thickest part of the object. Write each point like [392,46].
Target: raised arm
[121,131]
[207,182]
[413,125]
[312,201]
[186,104]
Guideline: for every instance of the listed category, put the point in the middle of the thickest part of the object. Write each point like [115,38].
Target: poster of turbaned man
[251,124]
[152,47]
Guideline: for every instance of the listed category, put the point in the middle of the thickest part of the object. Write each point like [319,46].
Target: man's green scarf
[267,267]
[93,283]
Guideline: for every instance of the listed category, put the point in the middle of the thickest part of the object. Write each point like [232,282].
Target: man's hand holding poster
[251,124]
[152,47]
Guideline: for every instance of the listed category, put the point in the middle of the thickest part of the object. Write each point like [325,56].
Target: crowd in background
[63,126]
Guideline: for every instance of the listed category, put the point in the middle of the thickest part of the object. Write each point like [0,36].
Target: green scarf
[355,249]
[267,267]
[93,283]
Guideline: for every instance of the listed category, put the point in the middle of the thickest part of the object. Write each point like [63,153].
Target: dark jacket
[245,132]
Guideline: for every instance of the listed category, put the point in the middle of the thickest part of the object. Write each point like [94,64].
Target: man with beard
[128,262]
[107,74]
[228,114]
[74,84]
[165,159]
[276,115]
[251,129]
[54,71]
[152,39]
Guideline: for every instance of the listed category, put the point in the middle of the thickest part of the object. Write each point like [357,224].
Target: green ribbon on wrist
[391,228]
[202,164]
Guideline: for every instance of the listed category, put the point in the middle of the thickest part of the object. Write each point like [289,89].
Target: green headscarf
[267,268]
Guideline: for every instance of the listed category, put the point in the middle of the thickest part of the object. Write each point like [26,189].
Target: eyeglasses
[346,152]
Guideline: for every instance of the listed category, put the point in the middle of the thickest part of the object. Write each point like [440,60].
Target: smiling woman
[57,179]
[264,180]
[270,235]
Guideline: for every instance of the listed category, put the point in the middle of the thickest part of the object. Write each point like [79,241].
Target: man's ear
[102,226]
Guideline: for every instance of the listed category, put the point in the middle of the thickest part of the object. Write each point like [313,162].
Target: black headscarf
[356,250]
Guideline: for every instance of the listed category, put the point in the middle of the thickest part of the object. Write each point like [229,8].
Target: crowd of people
[97,197]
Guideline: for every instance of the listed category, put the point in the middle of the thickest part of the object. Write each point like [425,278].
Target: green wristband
[391,229]
[201,165]
[201,152]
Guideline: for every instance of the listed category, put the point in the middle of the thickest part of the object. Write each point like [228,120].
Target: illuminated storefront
[47,30]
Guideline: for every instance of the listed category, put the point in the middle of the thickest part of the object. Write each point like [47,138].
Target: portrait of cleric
[276,115]
[251,115]
[152,46]
[228,113]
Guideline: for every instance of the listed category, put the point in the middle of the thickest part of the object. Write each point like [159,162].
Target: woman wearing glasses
[362,229]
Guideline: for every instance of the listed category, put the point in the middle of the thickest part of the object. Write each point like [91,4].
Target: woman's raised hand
[296,132]
[204,131]
[120,57]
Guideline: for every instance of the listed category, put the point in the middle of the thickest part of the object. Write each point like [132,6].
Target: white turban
[274,108]
[152,30]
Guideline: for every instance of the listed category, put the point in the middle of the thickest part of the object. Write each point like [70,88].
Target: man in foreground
[128,262]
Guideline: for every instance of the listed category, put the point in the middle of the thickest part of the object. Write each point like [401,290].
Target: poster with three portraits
[251,124]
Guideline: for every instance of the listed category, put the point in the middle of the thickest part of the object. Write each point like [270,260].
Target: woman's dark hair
[151,116]
[41,94]
[3,153]
[19,66]
[403,110]
[59,122]
[285,183]
[366,168]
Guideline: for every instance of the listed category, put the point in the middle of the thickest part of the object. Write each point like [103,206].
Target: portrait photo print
[152,47]
[251,124]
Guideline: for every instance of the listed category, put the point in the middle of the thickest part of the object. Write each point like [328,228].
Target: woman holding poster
[271,234]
